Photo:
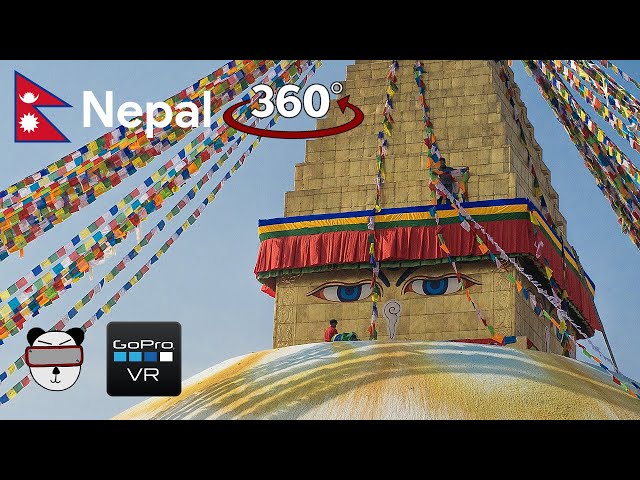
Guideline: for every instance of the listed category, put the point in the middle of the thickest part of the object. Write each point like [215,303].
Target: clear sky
[206,281]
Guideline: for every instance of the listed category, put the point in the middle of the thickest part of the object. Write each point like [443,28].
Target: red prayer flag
[268,291]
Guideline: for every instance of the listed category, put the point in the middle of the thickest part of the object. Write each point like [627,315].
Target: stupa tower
[315,258]
[316,261]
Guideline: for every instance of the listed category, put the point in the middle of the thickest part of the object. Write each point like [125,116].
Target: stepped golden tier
[434,357]
[319,248]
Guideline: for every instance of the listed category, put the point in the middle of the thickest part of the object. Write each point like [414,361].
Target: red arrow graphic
[343,103]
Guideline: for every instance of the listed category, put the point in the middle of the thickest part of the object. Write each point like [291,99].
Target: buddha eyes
[421,285]
[438,286]
[336,292]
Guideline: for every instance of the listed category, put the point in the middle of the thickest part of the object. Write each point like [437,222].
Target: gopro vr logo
[143,358]
[137,353]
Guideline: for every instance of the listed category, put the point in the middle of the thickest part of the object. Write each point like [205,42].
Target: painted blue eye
[349,293]
[343,293]
[434,287]
[437,286]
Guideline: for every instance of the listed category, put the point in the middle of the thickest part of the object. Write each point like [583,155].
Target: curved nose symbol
[56,371]
[391,312]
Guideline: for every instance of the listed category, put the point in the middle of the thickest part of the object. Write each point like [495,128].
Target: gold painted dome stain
[371,380]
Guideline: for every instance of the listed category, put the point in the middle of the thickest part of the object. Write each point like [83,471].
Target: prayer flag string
[59,169]
[381,154]
[562,314]
[22,222]
[618,70]
[154,183]
[106,308]
[600,157]
[65,276]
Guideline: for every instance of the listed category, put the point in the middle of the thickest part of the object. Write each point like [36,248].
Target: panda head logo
[55,358]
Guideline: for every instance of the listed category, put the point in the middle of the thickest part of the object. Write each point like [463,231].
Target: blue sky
[206,281]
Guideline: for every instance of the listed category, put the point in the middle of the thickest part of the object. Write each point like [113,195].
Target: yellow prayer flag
[11,393]
[533,219]
[11,369]
[5,311]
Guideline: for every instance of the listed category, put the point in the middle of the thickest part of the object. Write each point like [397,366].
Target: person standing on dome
[331,330]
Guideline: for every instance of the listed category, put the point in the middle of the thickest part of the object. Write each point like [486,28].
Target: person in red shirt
[331,330]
